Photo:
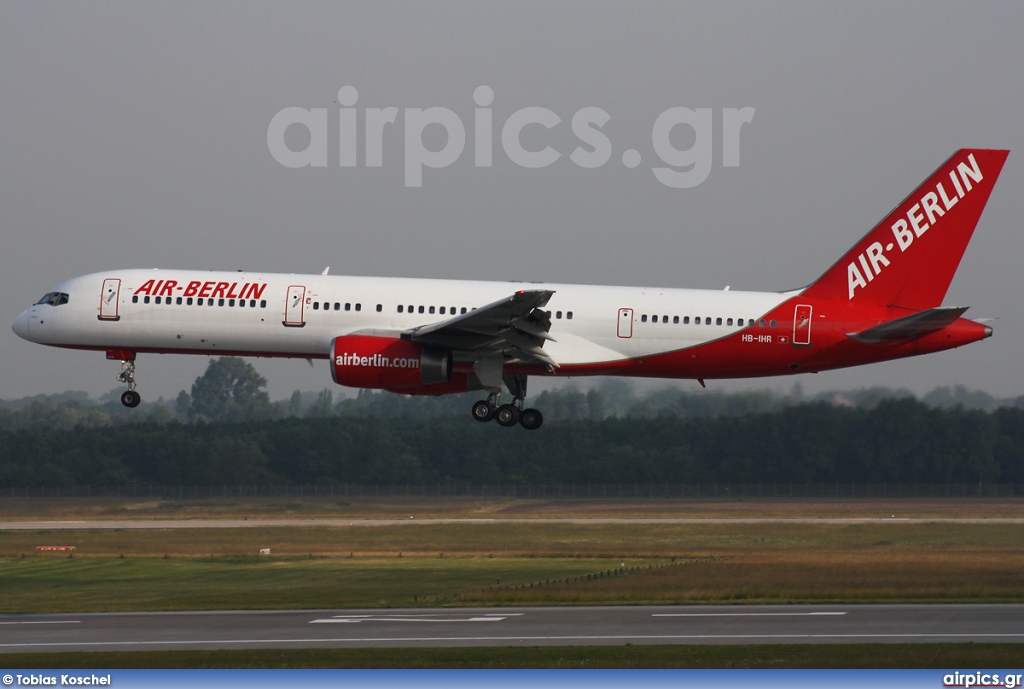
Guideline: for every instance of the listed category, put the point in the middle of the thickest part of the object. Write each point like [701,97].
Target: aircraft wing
[515,326]
[909,327]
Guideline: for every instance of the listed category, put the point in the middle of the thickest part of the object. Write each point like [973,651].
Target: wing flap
[515,326]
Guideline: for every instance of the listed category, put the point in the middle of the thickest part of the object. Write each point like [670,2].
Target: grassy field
[402,508]
[419,563]
[518,562]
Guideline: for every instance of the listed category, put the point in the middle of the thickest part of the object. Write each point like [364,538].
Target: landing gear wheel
[530,419]
[483,411]
[507,415]
[130,398]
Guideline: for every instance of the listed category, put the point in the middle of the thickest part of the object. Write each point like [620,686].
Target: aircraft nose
[20,325]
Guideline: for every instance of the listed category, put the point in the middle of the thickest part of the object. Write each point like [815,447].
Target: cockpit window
[54,298]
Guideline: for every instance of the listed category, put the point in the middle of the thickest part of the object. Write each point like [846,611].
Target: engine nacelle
[368,361]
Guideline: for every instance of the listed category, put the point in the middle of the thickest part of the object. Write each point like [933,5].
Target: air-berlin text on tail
[197,288]
[919,218]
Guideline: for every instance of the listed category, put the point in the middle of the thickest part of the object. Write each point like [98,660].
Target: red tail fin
[909,258]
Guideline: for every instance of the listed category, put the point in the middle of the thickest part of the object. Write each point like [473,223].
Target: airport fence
[543,491]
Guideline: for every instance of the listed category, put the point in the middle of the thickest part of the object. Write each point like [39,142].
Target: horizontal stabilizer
[909,327]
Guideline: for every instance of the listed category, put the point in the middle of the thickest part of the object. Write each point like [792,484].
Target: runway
[525,626]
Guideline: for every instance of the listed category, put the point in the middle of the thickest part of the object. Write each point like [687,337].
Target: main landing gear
[130,397]
[509,415]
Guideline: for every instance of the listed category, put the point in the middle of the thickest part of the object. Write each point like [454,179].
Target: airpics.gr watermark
[679,169]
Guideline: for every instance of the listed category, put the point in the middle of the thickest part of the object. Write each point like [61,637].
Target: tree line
[232,390]
[894,441]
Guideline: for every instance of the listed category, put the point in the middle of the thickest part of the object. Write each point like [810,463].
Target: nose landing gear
[130,397]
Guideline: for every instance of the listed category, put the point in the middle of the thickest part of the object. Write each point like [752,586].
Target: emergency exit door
[625,327]
[294,307]
[802,325]
[109,297]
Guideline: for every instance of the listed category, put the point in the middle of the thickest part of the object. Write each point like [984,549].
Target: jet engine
[388,363]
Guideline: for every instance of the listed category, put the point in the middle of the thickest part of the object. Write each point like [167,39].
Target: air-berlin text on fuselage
[921,216]
[376,360]
[196,288]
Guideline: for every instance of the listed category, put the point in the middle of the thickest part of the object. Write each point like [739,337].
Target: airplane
[882,300]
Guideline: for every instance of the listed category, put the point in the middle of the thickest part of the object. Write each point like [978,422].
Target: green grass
[112,584]
[521,539]
[882,656]
[432,564]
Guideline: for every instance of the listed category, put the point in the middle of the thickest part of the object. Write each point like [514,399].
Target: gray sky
[135,135]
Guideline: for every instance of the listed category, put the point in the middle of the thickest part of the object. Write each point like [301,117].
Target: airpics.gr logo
[679,169]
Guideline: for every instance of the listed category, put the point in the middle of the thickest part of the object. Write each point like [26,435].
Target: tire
[531,419]
[483,411]
[130,398]
[507,415]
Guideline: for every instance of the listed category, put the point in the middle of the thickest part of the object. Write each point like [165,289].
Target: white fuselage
[266,314]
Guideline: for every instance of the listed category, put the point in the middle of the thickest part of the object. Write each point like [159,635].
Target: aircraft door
[625,328]
[294,307]
[109,297]
[802,325]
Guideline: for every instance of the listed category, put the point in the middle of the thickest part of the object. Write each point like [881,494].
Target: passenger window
[178,301]
[568,315]
[558,314]
[263,303]
[421,309]
[463,310]
[718,321]
[157,300]
[771,323]
[188,301]
[135,299]
[686,320]
[241,303]
[441,310]
[220,302]
[316,306]
[675,320]
[380,307]
[359,307]
[145,300]
[348,307]
[399,308]
[729,322]
[643,318]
